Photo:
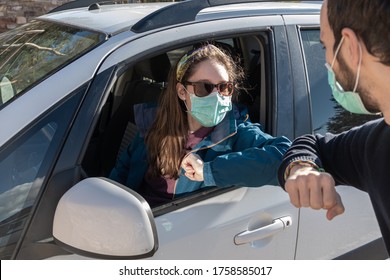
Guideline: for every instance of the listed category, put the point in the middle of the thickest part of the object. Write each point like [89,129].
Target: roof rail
[184,11]
[84,3]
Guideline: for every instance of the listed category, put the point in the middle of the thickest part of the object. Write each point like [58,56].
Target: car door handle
[277,225]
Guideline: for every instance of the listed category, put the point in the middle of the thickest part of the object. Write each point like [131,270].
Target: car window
[35,50]
[327,114]
[132,102]
[24,165]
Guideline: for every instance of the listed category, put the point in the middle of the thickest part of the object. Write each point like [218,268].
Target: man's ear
[181,91]
[352,50]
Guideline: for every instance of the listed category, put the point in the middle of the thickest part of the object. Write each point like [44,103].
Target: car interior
[143,83]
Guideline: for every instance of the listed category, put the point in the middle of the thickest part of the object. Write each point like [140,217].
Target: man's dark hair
[369,19]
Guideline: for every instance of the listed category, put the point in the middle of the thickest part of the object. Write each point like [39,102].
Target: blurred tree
[344,120]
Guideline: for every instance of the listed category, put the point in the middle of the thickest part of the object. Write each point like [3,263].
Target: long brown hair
[167,136]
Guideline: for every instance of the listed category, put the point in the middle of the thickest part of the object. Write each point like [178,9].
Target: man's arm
[308,187]
[302,172]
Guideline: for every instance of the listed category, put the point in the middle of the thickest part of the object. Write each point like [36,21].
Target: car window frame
[63,121]
[168,39]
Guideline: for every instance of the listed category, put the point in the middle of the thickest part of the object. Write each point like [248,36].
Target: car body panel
[213,224]
[166,38]
[108,18]
[349,226]
[112,19]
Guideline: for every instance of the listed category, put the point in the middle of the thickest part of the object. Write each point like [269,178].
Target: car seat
[150,79]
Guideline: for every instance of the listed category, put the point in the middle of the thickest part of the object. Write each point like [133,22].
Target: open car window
[139,85]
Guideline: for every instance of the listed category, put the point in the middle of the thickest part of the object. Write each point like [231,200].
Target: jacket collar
[145,114]
[224,130]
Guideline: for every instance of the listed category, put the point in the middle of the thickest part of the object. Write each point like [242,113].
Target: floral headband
[185,62]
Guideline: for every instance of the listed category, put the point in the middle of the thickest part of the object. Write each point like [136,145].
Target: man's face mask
[211,109]
[349,100]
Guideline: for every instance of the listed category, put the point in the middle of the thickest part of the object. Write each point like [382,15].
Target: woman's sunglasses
[202,89]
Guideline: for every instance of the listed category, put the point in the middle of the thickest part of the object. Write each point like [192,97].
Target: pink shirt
[160,190]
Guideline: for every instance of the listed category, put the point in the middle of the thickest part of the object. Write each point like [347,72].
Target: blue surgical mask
[349,100]
[210,110]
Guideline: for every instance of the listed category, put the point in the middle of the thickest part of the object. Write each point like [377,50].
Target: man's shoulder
[377,124]
[370,132]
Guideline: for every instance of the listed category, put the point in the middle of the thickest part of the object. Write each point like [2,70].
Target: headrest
[227,48]
[155,68]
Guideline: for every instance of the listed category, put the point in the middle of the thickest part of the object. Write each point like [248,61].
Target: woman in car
[199,138]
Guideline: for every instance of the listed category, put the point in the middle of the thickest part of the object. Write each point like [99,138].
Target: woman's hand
[193,166]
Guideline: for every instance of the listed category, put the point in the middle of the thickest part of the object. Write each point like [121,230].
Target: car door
[26,162]
[355,234]
[236,223]
[36,114]
[245,223]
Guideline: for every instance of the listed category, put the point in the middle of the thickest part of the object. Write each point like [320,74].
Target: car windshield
[34,51]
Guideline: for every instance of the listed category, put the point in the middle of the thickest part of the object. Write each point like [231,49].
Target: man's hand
[193,166]
[308,187]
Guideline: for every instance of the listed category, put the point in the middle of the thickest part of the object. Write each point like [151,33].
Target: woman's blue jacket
[236,153]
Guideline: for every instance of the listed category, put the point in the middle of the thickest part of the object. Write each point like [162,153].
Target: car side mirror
[100,218]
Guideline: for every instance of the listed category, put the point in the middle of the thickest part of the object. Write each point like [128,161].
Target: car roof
[108,19]
[114,18]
